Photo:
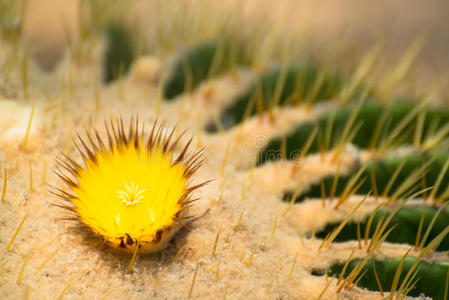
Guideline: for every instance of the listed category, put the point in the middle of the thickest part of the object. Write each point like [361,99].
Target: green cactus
[372,126]
[399,176]
[407,222]
[200,62]
[119,54]
[431,277]
[301,82]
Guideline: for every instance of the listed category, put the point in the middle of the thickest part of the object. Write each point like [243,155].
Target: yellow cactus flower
[133,191]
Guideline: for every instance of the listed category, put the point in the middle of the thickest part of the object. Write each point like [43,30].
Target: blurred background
[346,27]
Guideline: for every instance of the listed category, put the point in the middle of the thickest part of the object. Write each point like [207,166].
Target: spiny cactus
[410,224]
[371,125]
[325,185]
[302,82]
[389,177]
[201,62]
[429,279]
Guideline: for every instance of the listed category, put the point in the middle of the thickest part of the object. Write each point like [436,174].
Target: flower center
[131,195]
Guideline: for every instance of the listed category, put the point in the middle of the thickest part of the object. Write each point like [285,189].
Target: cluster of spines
[303,82]
[201,62]
[395,177]
[68,169]
[400,276]
[353,271]
[415,225]
[370,125]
